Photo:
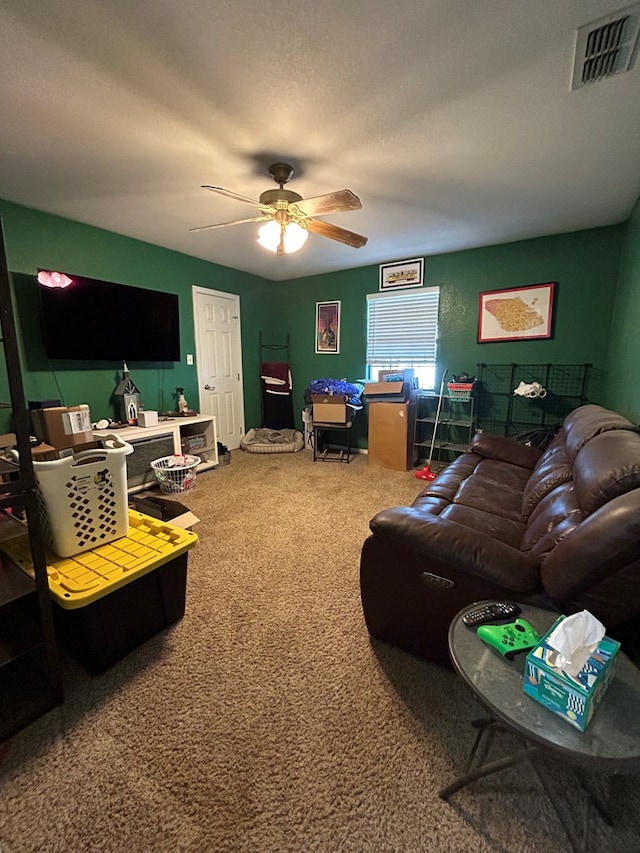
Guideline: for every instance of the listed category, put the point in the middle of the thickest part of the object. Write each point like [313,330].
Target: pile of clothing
[352,391]
[276,377]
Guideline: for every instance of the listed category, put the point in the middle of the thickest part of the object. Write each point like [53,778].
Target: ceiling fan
[289,217]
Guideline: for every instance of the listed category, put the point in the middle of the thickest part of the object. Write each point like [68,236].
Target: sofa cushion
[584,423]
[448,480]
[503,474]
[552,470]
[506,449]
[430,504]
[495,487]
[556,516]
[506,530]
[606,467]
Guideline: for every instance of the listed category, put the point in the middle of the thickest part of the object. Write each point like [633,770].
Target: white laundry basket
[83,498]
[176,473]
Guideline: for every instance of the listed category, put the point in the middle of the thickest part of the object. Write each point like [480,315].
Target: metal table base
[478,768]
[322,452]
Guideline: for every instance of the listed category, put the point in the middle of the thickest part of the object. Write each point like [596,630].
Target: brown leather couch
[559,528]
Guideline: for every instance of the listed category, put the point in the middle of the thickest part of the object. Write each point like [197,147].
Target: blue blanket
[336,386]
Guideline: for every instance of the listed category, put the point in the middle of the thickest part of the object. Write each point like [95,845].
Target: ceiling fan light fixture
[294,236]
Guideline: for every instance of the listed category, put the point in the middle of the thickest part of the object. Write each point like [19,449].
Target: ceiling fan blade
[336,202]
[262,218]
[236,196]
[326,229]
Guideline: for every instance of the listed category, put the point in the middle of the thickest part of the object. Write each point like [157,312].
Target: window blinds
[403,327]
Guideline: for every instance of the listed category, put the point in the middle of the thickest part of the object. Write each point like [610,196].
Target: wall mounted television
[94,320]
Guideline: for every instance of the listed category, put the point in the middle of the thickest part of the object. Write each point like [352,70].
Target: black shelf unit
[30,674]
[453,431]
[501,412]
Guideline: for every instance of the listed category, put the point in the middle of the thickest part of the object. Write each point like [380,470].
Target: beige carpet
[266,720]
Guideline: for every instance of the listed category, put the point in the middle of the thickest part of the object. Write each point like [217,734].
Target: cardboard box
[394,386]
[63,426]
[8,439]
[44,404]
[96,444]
[572,698]
[331,409]
[44,453]
[165,509]
[147,418]
[391,435]
[405,375]
[40,452]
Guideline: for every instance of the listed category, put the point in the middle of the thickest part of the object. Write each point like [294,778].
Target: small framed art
[520,314]
[327,327]
[402,274]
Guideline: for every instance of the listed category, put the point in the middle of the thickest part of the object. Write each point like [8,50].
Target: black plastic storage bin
[102,633]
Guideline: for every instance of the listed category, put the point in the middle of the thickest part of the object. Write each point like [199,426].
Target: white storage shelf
[179,433]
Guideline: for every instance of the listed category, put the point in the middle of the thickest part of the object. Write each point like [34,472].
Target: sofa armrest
[604,550]
[461,549]
[505,449]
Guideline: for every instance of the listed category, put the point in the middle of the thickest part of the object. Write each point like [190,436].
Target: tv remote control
[491,613]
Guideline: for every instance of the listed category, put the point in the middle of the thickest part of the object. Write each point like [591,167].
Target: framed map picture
[520,314]
[327,327]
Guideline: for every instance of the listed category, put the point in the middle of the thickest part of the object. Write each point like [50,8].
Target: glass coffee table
[610,743]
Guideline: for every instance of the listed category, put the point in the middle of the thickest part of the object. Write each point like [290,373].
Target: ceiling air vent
[606,47]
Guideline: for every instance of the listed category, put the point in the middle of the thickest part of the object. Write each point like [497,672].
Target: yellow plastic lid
[80,580]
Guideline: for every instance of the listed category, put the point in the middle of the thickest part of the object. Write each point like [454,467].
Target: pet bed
[272,441]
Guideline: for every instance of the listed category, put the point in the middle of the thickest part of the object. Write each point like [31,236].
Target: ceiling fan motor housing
[279,198]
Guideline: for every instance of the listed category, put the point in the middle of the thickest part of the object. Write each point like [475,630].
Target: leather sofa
[559,528]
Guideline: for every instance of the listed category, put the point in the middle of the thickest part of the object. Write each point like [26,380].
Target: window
[402,331]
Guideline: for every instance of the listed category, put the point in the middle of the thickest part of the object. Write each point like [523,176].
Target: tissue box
[147,418]
[572,698]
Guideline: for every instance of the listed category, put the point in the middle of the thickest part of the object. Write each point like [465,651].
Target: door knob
[209,387]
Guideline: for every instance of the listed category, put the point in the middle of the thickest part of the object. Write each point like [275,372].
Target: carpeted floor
[266,721]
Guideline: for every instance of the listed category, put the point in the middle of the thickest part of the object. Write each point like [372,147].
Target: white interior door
[219,361]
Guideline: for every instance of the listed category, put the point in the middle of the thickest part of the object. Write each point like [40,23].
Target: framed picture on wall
[327,327]
[520,314]
[402,274]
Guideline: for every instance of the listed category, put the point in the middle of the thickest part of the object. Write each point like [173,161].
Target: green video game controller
[510,639]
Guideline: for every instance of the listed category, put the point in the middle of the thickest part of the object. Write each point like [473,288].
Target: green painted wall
[34,239]
[584,264]
[624,354]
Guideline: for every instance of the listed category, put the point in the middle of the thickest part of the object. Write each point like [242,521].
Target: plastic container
[460,390]
[117,596]
[176,473]
[194,442]
[82,498]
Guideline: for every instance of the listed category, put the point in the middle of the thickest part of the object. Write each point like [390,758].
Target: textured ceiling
[452,120]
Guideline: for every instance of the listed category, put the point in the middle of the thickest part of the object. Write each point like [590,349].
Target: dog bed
[265,440]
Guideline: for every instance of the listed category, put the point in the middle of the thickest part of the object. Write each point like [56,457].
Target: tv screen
[98,320]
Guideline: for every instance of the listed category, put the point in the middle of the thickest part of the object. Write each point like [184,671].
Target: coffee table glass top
[612,738]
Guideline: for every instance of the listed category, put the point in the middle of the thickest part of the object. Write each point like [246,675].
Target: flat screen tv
[99,320]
